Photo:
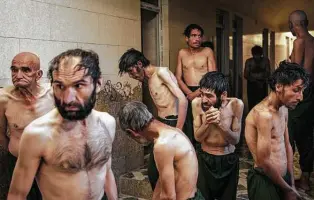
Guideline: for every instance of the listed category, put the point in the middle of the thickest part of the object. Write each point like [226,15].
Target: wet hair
[215,81]
[189,28]
[208,44]
[135,116]
[257,50]
[286,74]
[130,58]
[89,61]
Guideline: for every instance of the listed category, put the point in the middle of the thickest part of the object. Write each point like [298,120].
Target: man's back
[73,158]
[184,163]
[304,50]
[19,112]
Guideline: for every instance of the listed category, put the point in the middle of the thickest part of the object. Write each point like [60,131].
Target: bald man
[20,104]
[301,119]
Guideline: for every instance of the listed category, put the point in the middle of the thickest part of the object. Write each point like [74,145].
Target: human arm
[263,150]
[179,74]
[298,51]
[200,128]
[164,158]
[247,70]
[3,138]
[170,82]
[211,61]
[110,184]
[232,133]
[30,152]
[3,121]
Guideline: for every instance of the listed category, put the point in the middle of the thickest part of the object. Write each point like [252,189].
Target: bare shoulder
[41,128]
[196,103]
[207,51]
[46,90]
[108,121]
[162,147]
[163,70]
[6,94]
[182,52]
[106,117]
[299,41]
[262,115]
[236,103]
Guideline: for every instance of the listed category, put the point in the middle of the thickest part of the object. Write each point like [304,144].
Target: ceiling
[271,12]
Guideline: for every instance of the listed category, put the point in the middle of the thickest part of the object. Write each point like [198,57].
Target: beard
[81,113]
[217,105]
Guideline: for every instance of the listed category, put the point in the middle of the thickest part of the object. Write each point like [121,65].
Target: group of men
[60,147]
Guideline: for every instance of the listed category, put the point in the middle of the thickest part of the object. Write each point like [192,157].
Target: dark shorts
[152,171]
[34,193]
[261,187]
[198,196]
[218,175]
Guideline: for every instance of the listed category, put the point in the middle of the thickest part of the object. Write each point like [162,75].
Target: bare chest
[196,61]
[157,88]
[80,151]
[279,127]
[19,114]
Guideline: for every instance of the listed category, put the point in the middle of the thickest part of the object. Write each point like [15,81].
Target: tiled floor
[245,165]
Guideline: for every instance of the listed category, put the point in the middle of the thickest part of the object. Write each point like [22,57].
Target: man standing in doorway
[256,72]
[193,63]
[301,119]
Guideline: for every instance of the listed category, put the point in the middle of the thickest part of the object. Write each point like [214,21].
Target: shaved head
[25,70]
[27,58]
[298,17]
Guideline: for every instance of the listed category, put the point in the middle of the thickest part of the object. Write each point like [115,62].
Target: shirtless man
[193,63]
[217,126]
[266,134]
[20,104]
[301,119]
[169,100]
[68,150]
[174,154]
[256,72]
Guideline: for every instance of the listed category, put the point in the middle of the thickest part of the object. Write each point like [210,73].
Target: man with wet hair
[169,100]
[256,72]
[217,126]
[174,154]
[68,150]
[301,119]
[267,137]
[193,63]
[20,104]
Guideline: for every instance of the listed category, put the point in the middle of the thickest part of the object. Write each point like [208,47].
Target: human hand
[212,116]
[193,95]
